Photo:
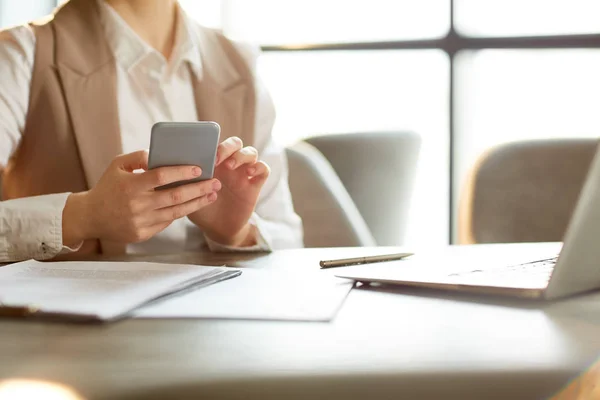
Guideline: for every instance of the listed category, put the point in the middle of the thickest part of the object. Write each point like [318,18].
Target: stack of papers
[260,294]
[99,291]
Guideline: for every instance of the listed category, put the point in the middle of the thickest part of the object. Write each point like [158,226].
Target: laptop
[575,269]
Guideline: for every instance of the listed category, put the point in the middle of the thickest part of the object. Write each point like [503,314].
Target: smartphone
[184,143]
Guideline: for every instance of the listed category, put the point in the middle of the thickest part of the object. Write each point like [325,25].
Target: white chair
[353,189]
[524,191]
[329,216]
[378,171]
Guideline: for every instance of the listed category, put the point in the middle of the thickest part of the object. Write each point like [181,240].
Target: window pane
[337,92]
[206,12]
[508,95]
[20,12]
[321,21]
[527,17]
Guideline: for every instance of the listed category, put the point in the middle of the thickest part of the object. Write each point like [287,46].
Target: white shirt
[150,89]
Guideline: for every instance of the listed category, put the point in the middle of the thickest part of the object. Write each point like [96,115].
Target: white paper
[101,290]
[263,294]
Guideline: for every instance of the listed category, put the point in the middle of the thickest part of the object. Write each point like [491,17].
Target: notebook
[96,291]
[274,294]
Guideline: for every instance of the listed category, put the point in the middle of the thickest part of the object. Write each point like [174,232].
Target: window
[524,70]
[318,92]
[335,21]
[358,89]
[19,12]
[527,17]
[508,95]
[207,12]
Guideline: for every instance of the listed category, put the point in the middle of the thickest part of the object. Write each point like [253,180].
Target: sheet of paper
[259,294]
[101,290]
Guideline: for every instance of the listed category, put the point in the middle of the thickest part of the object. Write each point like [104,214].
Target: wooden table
[387,343]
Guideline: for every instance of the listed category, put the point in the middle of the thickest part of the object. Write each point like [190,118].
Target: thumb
[132,161]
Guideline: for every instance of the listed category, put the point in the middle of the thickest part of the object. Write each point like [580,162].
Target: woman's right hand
[124,207]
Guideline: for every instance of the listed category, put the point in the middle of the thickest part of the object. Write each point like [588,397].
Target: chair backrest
[378,170]
[329,216]
[524,191]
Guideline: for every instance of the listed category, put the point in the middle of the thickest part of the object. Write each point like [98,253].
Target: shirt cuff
[261,238]
[31,227]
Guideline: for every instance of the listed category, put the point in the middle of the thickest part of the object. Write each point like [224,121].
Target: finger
[247,155]
[182,194]
[132,161]
[149,231]
[182,210]
[165,175]
[227,148]
[263,172]
[258,169]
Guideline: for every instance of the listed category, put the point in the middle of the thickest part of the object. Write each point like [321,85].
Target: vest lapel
[94,119]
[88,74]
[222,106]
[225,92]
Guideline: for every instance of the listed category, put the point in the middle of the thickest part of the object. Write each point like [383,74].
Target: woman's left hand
[242,176]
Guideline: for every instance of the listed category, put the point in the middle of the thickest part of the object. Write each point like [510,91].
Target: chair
[524,191]
[329,215]
[378,170]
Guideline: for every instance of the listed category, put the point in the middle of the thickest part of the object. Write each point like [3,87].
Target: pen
[362,260]
[17,311]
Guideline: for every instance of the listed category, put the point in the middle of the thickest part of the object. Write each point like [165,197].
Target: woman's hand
[242,176]
[124,207]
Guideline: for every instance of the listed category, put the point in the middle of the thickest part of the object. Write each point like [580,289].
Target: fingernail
[196,171]
[212,197]
[216,186]
[231,163]
[251,171]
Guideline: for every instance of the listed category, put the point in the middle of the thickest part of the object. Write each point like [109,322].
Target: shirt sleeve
[276,221]
[29,227]
[32,228]
[261,242]
[277,224]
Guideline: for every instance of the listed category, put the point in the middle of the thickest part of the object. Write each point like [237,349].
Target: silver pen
[363,260]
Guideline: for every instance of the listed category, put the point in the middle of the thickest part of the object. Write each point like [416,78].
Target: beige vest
[72,127]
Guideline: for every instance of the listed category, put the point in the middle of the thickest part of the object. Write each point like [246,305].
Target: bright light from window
[17,389]
[527,17]
[205,12]
[319,21]
[20,12]
[362,91]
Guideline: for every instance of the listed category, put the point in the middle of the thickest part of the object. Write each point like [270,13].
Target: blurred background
[464,75]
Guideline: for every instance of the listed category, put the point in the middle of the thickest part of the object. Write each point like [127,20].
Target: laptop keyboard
[541,268]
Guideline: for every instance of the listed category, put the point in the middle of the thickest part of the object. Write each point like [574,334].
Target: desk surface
[384,343]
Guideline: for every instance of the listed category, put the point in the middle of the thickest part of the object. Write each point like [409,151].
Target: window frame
[453,43]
